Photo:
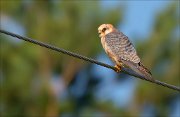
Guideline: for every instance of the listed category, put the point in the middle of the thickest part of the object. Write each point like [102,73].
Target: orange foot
[117,68]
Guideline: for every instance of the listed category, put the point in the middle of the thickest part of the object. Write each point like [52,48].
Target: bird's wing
[121,47]
[124,51]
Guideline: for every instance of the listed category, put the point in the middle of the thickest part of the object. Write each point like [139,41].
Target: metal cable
[125,70]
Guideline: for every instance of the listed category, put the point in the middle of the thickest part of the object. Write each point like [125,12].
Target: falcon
[121,51]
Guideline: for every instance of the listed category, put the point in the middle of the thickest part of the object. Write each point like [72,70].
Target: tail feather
[144,71]
[140,69]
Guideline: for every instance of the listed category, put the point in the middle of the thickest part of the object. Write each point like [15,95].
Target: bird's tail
[140,69]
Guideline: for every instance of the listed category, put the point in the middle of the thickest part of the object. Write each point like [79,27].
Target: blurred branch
[125,70]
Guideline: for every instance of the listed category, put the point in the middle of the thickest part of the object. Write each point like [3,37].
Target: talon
[117,68]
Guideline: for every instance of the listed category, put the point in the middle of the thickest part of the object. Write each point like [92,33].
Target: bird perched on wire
[121,50]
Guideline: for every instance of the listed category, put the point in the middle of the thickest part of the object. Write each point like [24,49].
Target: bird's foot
[117,68]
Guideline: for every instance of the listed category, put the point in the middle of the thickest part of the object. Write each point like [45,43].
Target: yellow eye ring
[104,29]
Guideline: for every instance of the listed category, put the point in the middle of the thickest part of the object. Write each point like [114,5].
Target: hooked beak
[99,33]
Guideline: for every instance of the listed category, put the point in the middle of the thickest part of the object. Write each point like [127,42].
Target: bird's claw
[117,68]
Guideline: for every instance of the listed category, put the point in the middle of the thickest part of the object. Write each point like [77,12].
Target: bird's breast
[109,51]
[103,42]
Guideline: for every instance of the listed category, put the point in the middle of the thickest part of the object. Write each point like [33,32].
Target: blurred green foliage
[27,69]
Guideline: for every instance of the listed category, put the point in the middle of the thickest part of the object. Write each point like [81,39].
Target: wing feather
[121,47]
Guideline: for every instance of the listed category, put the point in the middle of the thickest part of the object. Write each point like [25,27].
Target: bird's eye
[104,29]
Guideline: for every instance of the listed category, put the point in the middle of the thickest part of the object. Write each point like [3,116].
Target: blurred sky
[136,13]
[139,16]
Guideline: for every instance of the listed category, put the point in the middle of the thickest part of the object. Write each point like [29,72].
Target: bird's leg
[117,68]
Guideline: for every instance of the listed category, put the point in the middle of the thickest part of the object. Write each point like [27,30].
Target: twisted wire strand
[125,70]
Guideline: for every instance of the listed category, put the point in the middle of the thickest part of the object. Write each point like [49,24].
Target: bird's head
[104,29]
